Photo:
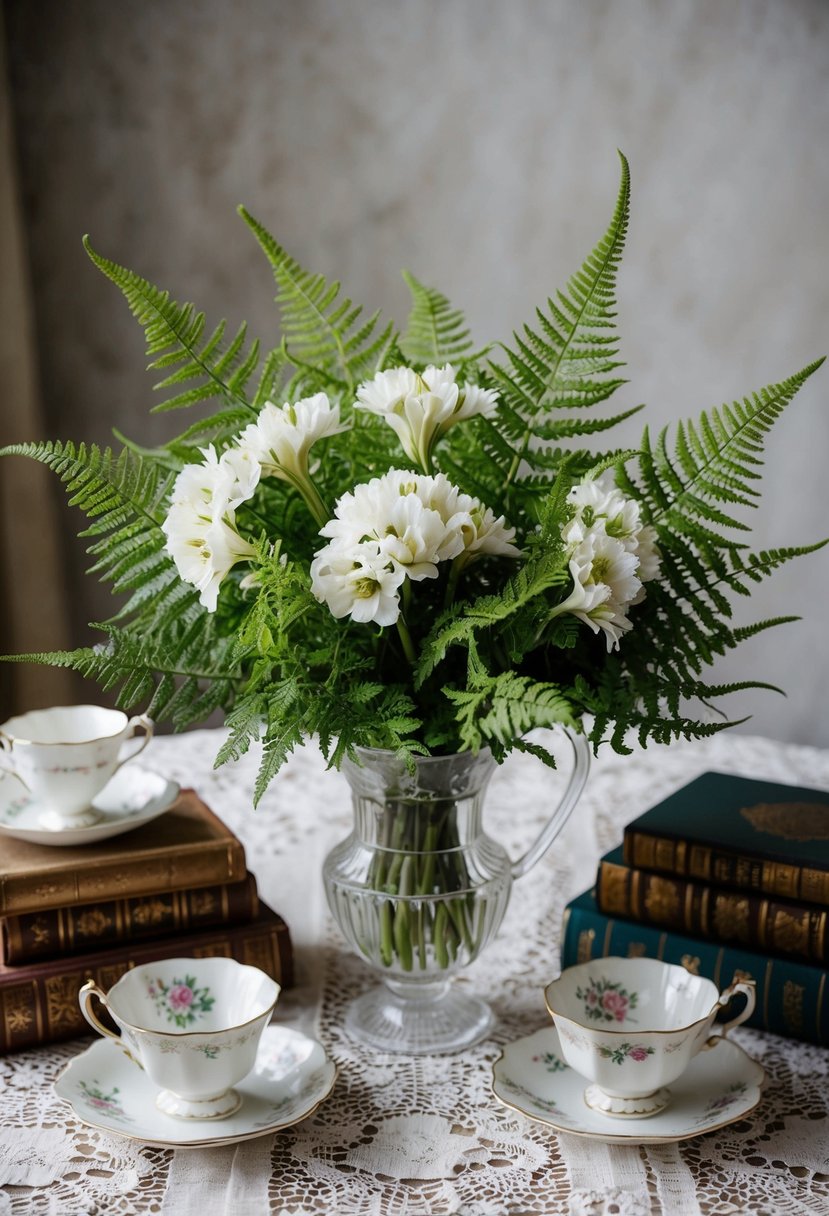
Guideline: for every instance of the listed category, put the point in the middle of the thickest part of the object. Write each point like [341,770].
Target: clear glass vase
[418,889]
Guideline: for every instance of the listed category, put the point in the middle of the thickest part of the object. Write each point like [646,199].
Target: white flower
[648,554]
[608,546]
[217,483]
[422,407]
[406,524]
[204,548]
[484,533]
[282,436]
[604,585]
[361,582]
[414,537]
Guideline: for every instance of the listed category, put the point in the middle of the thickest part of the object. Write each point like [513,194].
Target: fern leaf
[212,367]
[715,462]
[322,329]
[568,360]
[501,708]
[436,332]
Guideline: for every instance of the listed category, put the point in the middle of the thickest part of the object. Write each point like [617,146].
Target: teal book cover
[735,831]
[791,996]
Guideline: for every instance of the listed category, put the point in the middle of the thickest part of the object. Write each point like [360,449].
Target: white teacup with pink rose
[631,1026]
[193,1025]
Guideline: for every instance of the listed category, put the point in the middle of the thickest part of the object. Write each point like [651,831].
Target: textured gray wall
[473,142]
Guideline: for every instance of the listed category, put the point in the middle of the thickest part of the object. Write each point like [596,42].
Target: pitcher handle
[561,813]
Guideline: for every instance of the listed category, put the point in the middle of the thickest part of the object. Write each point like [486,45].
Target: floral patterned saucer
[132,797]
[291,1077]
[719,1086]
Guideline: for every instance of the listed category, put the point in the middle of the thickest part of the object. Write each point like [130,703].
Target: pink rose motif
[180,997]
[638,1053]
[592,997]
[615,1004]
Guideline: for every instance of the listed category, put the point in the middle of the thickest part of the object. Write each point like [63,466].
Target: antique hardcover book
[60,931]
[791,996]
[736,832]
[39,1002]
[719,914]
[188,846]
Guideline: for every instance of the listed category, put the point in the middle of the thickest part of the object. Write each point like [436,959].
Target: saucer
[132,797]
[719,1086]
[291,1077]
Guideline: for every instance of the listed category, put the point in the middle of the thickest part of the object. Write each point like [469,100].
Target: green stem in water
[403,917]
[386,935]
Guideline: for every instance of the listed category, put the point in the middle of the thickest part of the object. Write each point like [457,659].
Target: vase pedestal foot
[418,1019]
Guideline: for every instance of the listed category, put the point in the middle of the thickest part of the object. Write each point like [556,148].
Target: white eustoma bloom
[204,547]
[611,554]
[282,436]
[217,483]
[421,407]
[604,585]
[403,523]
[200,527]
[361,582]
[414,538]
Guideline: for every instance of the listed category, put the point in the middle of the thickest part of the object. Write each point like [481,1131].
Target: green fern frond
[462,622]
[323,329]
[177,682]
[743,632]
[436,332]
[715,463]
[124,495]
[499,709]
[212,366]
[568,361]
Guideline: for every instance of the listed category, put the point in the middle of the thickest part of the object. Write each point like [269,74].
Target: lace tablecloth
[405,1135]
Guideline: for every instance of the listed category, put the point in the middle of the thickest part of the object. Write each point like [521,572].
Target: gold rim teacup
[65,755]
[193,1025]
[632,1026]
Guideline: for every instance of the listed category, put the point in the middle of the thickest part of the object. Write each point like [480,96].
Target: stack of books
[728,876]
[176,886]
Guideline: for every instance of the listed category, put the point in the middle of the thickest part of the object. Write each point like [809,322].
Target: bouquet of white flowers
[394,540]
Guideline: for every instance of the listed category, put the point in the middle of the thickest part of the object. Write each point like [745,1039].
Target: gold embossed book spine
[57,932]
[39,1002]
[703,910]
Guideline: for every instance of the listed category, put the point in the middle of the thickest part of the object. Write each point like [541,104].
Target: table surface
[408,1135]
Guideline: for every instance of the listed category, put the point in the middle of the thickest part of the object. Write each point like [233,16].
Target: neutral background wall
[473,142]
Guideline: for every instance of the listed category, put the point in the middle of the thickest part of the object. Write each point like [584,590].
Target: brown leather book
[778,927]
[186,847]
[39,1002]
[57,932]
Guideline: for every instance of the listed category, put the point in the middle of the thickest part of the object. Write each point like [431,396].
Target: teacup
[632,1026]
[193,1025]
[66,755]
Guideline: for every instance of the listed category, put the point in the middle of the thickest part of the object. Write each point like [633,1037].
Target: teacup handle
[748,988]
[139,722]
[7,759]
[85,996]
